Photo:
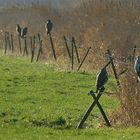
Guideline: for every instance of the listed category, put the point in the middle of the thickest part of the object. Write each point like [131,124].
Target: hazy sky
[58,3]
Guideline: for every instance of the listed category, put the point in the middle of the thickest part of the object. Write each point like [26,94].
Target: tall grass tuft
[129,112]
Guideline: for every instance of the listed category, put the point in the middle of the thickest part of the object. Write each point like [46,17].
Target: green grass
[37,101]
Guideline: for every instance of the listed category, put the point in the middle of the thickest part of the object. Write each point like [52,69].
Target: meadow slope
[40,101]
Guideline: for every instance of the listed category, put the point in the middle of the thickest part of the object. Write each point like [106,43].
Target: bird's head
[48,21]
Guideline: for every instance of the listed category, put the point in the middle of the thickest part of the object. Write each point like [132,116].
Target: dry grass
[97,24]
[128,114]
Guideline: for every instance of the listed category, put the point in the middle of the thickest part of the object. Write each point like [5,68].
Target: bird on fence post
[137,67]
[48,26]
[18,29]
[101,80]
[24,32]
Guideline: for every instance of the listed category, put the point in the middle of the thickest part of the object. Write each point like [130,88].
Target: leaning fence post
[52,45]
[87,113]
[77,54]
[67,47]
[83,59]
[113,67]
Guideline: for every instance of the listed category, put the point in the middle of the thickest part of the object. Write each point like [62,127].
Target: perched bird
[18,30]
[137,67]
[101,80]
[24,32]
[48,26]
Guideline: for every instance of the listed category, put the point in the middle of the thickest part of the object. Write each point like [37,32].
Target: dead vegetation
[97,24]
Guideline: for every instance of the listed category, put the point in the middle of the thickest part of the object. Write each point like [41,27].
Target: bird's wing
[137,66]
[102,78]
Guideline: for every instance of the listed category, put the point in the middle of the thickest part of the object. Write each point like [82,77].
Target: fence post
[25,51]
[5,43]
[19,42]
[39,51]
[52,45]
[77,54]
[113,67]
[72,55]
[83,59]
[32,40]
[67,47]
[8,39]
[12,44]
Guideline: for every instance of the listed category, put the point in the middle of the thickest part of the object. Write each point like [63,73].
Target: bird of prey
[101,80]
[48,26]
[137,67]
[18,30]
[24,32]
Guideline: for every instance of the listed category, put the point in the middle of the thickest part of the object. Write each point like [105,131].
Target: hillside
[40,102]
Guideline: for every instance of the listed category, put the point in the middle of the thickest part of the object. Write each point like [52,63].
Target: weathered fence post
[32,40]
[87,113]
[101,109]
[83,59]
[19,43]
[40,50]
[8,39]
[67,47]
[113,67]
[5,43]
[72,55]
[12,44]
[77,54]
[52,45]
[25,51]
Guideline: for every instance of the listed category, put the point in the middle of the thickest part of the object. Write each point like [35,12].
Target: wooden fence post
[87,113]
[5,43]
[25,51]
[12,44]
[113,67]
[32,40]
[52,45]
[8,39]
[39,51]
[67,47]
[72,55]
[77,54]
[19,43]
[83,59]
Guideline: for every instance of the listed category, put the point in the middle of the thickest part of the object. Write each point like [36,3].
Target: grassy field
[38,101]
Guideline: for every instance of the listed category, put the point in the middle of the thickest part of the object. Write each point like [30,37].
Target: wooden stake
[87,113]
[113,67]
[52,45]
[25,51]
[83,59]
[77,54]
[72,55]
[101,109]
[67,47]
[19,41]
[12,44]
